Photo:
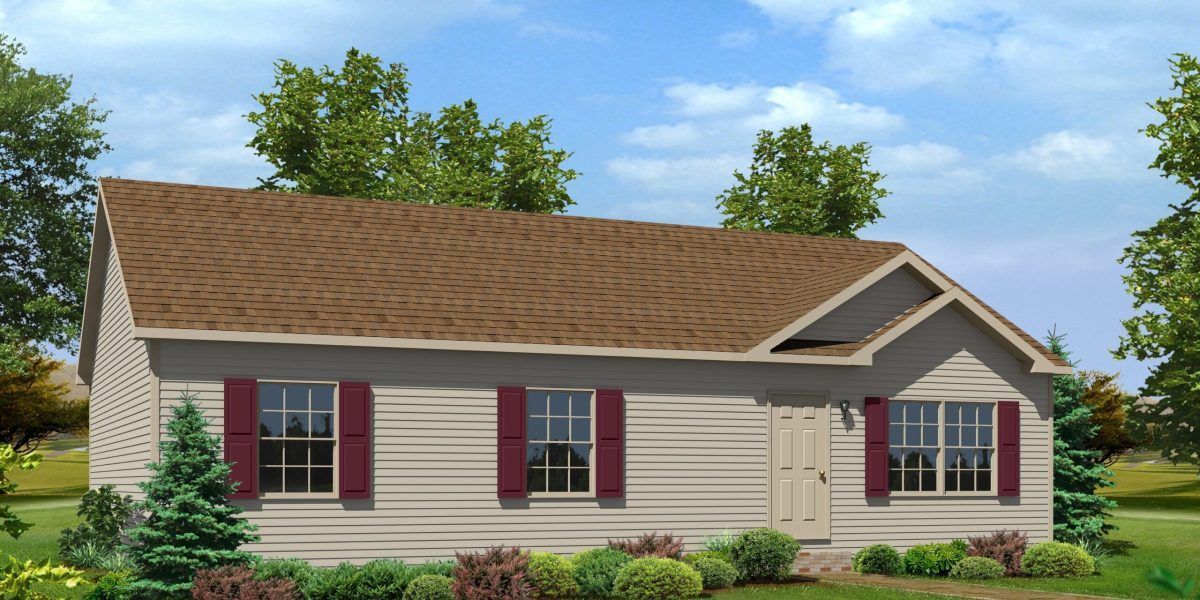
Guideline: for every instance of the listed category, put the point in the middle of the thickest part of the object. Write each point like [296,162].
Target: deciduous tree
[795,185]
[47,141]
[35,407]
[351,132]
[1163,276]
[1110,406]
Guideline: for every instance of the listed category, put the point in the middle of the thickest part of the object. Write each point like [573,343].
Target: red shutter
[1008,448]
[354,439]
[610,444]
[510,442]
[241,435]
[876,416]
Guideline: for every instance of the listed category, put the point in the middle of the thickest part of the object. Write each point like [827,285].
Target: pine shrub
[934,559]
[235,582]
[190,525]
[654,578]
[494,574]
[114,585]
[878,559]
[977,567]
[430,587]
[1056,559]
[1005,547]
[596,570]
[764,555]
[334,583]
[715,571]
[552,576]
[293,569]
[650,544]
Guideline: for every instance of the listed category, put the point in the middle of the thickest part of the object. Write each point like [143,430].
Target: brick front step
[823,562]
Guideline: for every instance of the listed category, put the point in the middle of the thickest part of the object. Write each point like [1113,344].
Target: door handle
[821,474]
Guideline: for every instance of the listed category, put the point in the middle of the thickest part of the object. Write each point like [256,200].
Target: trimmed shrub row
[984,557]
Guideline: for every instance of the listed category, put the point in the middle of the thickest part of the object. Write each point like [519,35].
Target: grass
[835,591]
[47,499]
[1158,523]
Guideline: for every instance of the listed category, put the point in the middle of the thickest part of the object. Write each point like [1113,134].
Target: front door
[800,465]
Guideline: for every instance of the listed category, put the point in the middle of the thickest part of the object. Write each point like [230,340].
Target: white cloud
[179,139]
[925,169]
[684,175]
[727,117]
[550,29]
[1073,156]
[737,38]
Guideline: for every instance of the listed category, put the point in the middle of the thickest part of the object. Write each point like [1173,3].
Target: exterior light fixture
[845,406]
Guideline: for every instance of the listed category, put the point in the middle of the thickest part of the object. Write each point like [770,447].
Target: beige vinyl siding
[120,393]
[696,444]
[871,309]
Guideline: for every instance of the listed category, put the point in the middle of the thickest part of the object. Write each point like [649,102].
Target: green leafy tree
[797,186]
[1079,470]
[17,578]
[1115,436]
[46,192]
[351,132]
[1163,276]
[189,523]
[35,407]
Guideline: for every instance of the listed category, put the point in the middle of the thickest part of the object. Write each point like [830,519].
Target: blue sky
[1008,132]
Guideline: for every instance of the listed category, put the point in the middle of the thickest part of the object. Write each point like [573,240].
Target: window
[969,447]
[558,454]
[940,447]
[296,438]
[913,446]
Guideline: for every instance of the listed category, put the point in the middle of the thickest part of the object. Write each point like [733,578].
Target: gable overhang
[906,260]
[977,315]
[93,297]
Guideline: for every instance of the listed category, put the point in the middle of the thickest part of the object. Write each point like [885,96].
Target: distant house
[401,380]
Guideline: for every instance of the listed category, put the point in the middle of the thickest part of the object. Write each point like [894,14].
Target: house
[400,380]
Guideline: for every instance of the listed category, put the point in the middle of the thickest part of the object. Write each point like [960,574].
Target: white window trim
[591,493]
[941,460]
[337,427]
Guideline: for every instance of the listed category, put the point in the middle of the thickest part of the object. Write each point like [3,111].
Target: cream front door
[800,465]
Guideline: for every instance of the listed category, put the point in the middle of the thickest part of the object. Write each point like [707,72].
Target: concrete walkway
[948,587]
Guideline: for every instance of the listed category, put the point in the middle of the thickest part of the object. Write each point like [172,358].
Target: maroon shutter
[876,416]
[354,439]
[1008,448]
[241,435]
[510,442]
[610,444]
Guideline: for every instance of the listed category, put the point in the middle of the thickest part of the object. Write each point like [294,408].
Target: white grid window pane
[914,446]
[969,446]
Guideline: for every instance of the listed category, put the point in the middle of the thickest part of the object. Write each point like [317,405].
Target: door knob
[822,474]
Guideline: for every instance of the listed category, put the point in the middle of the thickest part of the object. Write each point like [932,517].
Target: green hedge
[1056,559]
[764,555]
[653,578]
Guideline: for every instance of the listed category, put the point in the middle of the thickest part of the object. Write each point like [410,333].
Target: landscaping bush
[596,570]
[1005,547]
[238,583]
[715,572]
[934,559]
[552,576]
[87,555]
[1056,559]
[335,583]
[430,587]
[977,567]
[445,568]
[113,586]
[764,554]
[105,514]
[879,559]
[650,544]
[654,578]
[382,580]
[721,544]
[494,574]
[293,569]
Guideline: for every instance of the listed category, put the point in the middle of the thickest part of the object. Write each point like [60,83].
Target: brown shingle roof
[222,259]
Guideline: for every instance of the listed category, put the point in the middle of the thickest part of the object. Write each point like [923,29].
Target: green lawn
[47,499]
[1158,523]
[835,591]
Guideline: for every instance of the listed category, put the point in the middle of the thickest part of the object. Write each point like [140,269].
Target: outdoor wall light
[845,406]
